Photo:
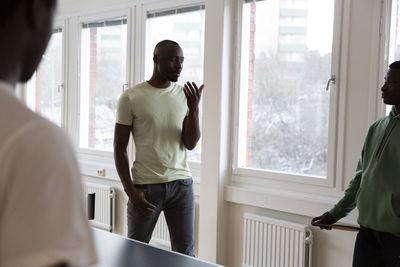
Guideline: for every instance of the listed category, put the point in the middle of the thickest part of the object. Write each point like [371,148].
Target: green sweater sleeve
[348,202]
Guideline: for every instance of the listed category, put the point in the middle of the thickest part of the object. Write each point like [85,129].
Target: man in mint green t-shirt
[375,188]
[164,120]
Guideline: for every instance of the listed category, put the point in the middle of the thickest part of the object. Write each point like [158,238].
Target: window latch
[60,87]
[124,87]
[331,80]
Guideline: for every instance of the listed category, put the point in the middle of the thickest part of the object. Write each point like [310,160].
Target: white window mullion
[390,46]
[72,81]
[64,76]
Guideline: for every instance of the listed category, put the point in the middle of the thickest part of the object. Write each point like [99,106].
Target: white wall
[221,220]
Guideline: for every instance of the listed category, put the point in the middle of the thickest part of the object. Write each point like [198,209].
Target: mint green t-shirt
[156,116]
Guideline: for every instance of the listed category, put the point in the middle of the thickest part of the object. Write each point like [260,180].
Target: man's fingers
[201,88]
[315,220]
[192,91]
[197,91]
[191,88]
[319,222]
[141,203]
[145,211]
[185,90]
[195,86]
[148,204]
[145,207]
[148,210]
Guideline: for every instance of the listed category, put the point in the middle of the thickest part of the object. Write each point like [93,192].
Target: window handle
[124,87]
[60,87]
[331,80]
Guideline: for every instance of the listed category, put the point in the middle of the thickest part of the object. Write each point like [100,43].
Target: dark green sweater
[375,188]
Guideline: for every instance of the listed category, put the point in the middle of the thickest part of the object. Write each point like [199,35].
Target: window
[186,27]
[394,48]
[103,77]
[45,93]
[394,38]
[286,60]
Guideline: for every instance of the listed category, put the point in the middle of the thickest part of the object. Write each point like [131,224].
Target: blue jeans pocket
[187,181]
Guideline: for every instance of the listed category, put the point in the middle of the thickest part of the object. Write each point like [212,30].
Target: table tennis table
[118,251]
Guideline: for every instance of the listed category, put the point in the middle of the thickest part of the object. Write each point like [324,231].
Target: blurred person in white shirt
[42,218]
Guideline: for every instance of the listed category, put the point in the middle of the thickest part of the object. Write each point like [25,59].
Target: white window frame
[156,7]
[92,160]
[382,42]
[59,23]
[336,116]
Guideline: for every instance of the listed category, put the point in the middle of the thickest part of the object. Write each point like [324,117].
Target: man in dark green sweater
[375,188]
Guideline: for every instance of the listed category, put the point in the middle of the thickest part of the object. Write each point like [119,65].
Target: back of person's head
[395,65]
[27,25]
[7,10]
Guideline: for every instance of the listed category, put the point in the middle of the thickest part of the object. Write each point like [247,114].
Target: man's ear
[155,58]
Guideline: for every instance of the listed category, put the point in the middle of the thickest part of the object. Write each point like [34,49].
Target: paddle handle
[345,227]
[339,227]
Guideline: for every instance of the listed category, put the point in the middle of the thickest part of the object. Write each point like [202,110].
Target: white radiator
[268,242]
[104,208]
[160,235]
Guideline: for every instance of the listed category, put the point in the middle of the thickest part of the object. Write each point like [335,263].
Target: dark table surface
[118,251]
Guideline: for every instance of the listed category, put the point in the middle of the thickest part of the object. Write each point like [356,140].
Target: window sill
[288,201]
[91,165]
[248,175]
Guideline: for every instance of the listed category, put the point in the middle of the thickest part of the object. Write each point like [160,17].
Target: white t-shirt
[42,218]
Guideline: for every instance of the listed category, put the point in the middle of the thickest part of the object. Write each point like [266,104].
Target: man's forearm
[122,166]
[191,133]
[348,201]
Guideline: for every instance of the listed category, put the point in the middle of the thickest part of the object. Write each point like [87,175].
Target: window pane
[394,44]
[187,29]
[285,64]
[44,89]
[103,74]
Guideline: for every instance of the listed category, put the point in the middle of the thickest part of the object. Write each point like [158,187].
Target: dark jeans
[176,199]
[376,249]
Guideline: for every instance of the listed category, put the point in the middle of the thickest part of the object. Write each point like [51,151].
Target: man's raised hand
[193,95]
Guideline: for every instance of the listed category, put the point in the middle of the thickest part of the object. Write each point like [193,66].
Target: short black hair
[395,65]
[165,43]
